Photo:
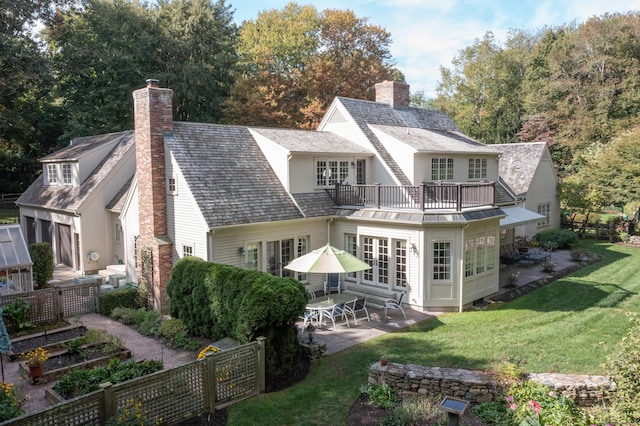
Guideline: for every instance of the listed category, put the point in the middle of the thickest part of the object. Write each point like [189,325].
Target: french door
[375,252]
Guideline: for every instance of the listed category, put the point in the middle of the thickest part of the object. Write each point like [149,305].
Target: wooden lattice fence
[52,304]
[170,395]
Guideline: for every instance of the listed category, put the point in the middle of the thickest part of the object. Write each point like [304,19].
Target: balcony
[454,196]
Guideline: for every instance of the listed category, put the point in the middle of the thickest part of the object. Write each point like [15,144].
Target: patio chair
[360,305]
[336,311]
[309,316]
[332,285]
[395,304]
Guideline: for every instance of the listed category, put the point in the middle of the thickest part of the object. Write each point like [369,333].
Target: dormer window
[477,168]
[52,174]
[66,174]
[330,172]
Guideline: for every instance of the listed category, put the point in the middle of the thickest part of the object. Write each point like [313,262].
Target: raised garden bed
[63,361]
[52,340]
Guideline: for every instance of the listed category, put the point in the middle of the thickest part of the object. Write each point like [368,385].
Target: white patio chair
[336,311]
[360,305]
[332,285]
[395,304]
[309,316]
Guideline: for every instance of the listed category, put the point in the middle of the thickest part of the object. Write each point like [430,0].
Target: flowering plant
[513,278]
[37,356]
[10,402]
[209,350]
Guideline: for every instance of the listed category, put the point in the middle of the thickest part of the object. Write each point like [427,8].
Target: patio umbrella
[5,342]
[329,260]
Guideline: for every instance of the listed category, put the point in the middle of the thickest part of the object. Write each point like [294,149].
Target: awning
[517,216]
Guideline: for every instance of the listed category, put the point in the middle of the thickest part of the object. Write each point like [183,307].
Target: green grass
[567,327]
[9,216]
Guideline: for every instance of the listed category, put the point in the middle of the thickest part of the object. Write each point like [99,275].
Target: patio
[346,337]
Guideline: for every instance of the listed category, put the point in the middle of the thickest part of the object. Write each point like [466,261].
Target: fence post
[58,302]
[376,196]
[108,402]
[262,341]
[210,381]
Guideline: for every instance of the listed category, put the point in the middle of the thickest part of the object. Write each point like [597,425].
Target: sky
[428,34]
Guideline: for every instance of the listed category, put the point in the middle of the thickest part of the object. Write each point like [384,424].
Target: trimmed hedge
[117,299]
[216,301]
[42,258]
[562,238]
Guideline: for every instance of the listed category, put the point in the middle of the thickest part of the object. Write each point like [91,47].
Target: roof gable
[518,164]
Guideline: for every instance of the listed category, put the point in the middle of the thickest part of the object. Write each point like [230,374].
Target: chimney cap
[152,82]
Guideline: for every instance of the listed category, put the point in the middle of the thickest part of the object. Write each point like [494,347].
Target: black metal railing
[426,196]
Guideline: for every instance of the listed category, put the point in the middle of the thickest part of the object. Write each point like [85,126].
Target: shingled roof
[309,141]
[229,176]
[70,198]
[518,164]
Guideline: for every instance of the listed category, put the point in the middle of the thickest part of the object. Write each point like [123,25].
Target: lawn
[567,327]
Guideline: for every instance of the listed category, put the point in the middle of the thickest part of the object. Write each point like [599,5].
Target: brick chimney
[393,93]
[153,117]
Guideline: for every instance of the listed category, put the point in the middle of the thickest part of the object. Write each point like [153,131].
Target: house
[528,172]
[401,188]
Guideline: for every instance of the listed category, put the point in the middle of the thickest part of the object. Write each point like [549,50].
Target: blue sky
[427,34]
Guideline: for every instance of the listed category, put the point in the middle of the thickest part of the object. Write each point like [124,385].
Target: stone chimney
[393,93]
[153,117]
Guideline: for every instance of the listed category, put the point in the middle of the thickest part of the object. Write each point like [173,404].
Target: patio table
[326,303]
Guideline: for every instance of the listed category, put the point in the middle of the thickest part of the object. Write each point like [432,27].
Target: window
[375,252]
[117,233]
[544,210]
[442,169]
[479,255]
[252,254]
[400,255]
[491,252]
[330,172]
[66,174]
[302,249]
[187,251]
[468,257]
[441,260]
[351,248]
[52,174]
[361,172]
[281,252]
[477,168]
[172,185]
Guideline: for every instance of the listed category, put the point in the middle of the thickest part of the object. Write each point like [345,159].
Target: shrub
[577,254]
[622,366]
[126,316]
[109,344]
[17,313]
[117,299]
[42,258]
[10,402]
[148,322]
[170,327]
[549,266]
[563,238]
[381,396]
[133,414]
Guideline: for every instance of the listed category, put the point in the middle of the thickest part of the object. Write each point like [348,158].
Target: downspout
[460,308]
[329,230]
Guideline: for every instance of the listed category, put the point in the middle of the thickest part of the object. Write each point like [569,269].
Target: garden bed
[52,340]
[63,361]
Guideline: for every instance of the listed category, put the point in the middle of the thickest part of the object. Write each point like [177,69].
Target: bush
[117,299]
[217,301]
[381,396]
[563,238]
[127,316]
[10,402]
[622,367]
[17,313]
[42,258]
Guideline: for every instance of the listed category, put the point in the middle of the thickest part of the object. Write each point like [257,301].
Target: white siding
[131,229]
[403,154]
[543,189]
[185,223]
[277,157]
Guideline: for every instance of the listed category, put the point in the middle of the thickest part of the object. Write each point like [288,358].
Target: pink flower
[551,394]
[535,406]
[513,406]
[509,398]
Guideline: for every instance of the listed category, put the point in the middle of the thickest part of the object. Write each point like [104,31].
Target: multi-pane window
[351,247]
[52,174]
[66,174]
[442,169]
[375,252]
[469,257]
[480,255]
[330,172]
[117,234]
[544,210]
[400,255]
[252,253]
[187,251]
[441,260]
[477,168]
[301,250]
[172,185]
[491,252]
[281,252]
[361,172]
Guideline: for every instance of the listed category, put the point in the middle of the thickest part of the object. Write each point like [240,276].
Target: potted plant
[35,361]
[384,360]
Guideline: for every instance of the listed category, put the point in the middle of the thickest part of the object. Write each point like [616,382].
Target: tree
[578,195]
[294,62]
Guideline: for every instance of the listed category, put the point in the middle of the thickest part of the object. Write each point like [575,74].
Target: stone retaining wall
[479,386]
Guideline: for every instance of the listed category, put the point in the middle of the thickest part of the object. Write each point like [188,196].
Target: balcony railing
[427,196]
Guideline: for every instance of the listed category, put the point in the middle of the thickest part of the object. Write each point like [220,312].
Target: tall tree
[295,61]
